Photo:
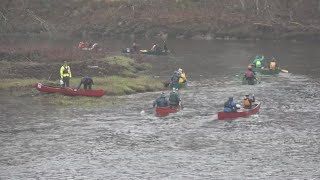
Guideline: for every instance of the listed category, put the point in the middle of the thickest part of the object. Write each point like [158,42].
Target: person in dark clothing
[174,99]
[161,101]
[230,105]
[135,47]
[87,83]
[250,76]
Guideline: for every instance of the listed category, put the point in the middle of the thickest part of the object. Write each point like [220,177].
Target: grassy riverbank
[117,75]
[113,85]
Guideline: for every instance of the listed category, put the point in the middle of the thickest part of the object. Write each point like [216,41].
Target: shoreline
[116,75]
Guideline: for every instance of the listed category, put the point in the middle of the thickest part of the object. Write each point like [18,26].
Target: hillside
[197,19]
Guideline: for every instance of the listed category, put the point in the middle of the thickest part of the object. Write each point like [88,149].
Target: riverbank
[117,75]
[159,20]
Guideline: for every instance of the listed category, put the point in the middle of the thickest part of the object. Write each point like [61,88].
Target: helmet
[174,89]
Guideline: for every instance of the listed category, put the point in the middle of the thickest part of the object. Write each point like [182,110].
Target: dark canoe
[69,91]
[247,82]
[144,51]
[267,71]
[153,52]
[164,111]
[240,113]
[177,85]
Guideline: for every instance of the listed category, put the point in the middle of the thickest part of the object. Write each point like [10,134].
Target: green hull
[158,53]
[178,86]
[267,71]
[246,82]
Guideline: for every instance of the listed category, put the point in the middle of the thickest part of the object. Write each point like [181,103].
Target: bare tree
[242,4]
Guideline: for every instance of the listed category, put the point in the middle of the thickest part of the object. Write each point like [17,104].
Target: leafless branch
[3,16]
[45,25]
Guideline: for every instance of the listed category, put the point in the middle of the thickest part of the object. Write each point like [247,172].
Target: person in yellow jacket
[273,64]
[65,74]
[183,77]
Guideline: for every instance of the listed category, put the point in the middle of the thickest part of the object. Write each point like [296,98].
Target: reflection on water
[282,142]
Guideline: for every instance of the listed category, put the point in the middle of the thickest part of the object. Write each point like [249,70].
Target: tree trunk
[242,4]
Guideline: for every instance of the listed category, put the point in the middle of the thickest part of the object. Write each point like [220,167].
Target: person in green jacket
[258,61]
[161,101]
[174,99]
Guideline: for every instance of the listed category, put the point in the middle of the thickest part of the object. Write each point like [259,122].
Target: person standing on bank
[65,74]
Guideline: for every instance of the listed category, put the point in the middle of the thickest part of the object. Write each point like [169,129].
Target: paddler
[175,77]
[257,63]
[161,101]
[247,101]
[82,45]
[154,47]
[230,105]
[182,78]
[273,64]
[65,74]
[250,75]
[174,99]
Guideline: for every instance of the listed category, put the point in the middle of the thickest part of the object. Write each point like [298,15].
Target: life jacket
[246,102]
[65,71]
[228,104]
[249,74]
[81,45]
[162,102]
[182,78]
[258,64]
[273,65]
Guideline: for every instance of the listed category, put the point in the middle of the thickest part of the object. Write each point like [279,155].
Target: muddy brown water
[128,142]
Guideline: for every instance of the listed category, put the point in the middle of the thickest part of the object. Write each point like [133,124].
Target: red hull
[242,113]
[70,92]
[165,111]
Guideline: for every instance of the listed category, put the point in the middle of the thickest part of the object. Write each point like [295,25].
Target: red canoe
[240,113]
[163,111]
[69,91]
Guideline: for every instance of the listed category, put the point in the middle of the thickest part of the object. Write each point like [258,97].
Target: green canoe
[267,71]
[247,82]
[153,52]
[178,85]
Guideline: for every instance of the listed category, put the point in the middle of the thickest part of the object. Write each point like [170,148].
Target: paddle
[180,102]
[283,70]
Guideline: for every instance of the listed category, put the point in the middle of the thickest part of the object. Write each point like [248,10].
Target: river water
[128,142]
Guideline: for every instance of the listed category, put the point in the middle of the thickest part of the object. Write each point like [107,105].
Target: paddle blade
[284,71]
